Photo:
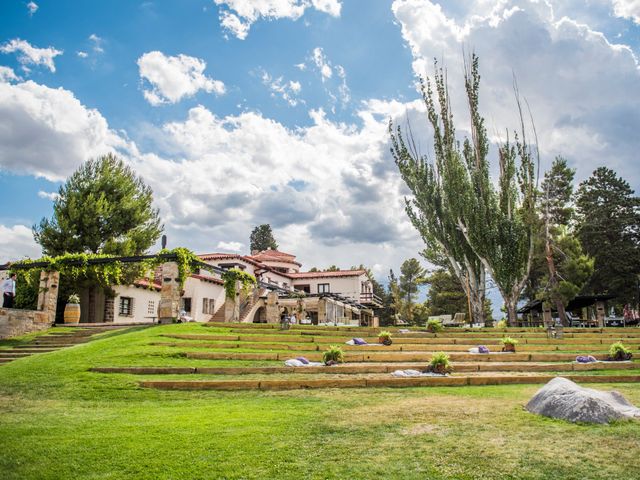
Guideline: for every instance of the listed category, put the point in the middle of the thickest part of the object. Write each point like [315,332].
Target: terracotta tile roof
[275,256]
[231,256]
[339,273]
[208,278]
[145,284]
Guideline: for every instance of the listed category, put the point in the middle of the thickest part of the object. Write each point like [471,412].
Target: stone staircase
[264,348]
[60,337]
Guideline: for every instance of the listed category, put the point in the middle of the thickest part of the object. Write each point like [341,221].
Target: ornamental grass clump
[509,344]
[73,298]
[618,352]
[384,337]
[333,355]
[440,364]
[434,326]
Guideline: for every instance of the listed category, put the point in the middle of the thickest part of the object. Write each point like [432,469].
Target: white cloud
[97,43]
[47,132]
[321,62]
[627,9]
[332,7]
[288,91]
[7,74]
[17,243]
[82,54]
[237,16]
[301,66]
[30,55]
[32,7]
[48,195]
[230,246]
[173,78]
[584,91]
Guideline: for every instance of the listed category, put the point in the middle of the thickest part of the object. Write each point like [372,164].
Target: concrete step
[354,368]
[377,382]
[29,350]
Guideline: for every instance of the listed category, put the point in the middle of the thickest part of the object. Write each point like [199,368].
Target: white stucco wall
[145,304]
[347,286]
[197,290]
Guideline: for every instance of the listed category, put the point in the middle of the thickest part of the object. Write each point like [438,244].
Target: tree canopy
[102,208]
[608,226]
[262,239]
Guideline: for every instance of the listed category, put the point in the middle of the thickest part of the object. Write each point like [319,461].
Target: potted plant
[439,364]
[72,309]
[434,326]
[618,352]
[384,338]
[509,344]
[333,355]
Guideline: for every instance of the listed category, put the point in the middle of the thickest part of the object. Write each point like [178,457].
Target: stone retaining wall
[15,322]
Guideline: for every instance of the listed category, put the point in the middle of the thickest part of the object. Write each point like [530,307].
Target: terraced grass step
[387,381]
[13,354]
[398,340]
[394,357]
[379,347]
[30,351]
[370,368]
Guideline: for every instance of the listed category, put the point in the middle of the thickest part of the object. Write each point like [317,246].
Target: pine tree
[608,226]
[411,277]
[262,239]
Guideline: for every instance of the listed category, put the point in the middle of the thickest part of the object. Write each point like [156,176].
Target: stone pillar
[109,303]
[375,323]
[272,309]
[301,310]
[48,293]
[600,313]
[322,310]
[231,310]
[169,306]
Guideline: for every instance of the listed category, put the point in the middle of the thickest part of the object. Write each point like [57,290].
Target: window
[186,305]
[323,288]
[212,305]
[303,288]
[205,305]
[126,306]
[151,307]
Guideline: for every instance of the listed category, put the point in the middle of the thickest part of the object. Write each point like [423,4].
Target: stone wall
[14,322]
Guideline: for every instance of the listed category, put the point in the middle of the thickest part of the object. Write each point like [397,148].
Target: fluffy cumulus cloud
[237,16]
[229,246]
[47,132]
[32,7]
[583,90]
[173,78]
[30,55]
[7,74]
[17,242]
[627,9]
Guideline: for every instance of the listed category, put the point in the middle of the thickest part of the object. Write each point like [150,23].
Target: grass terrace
[82,411]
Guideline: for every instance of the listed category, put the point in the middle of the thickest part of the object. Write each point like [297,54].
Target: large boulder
[562,398]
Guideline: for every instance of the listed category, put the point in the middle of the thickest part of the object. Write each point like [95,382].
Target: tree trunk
[512,315]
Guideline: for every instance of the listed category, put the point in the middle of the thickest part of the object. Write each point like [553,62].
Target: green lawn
[60,421]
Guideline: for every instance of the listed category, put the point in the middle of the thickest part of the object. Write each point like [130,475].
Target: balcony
[371,300]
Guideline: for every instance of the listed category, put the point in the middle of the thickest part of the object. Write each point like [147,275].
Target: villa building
[332,297]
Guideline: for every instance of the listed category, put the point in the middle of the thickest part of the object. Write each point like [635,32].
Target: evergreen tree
[332,268]
[394,296]
[608,226]
[102,208]
[445,296]
[411,277]
[262,239]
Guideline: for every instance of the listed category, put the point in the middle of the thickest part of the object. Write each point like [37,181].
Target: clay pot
[509,348]
[72,313]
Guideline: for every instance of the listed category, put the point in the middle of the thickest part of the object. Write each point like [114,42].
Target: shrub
[501,324]
[434,326]
[333,354]
[618,352]
[385,338]
[73,298]
[440,363]
[509,344]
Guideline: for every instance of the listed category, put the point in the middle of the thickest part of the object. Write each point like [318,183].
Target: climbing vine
[234,275]
[76,266]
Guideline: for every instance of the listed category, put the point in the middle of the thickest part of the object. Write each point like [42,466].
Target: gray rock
[562,398]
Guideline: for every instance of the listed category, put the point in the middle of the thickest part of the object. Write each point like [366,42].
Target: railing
[371,298]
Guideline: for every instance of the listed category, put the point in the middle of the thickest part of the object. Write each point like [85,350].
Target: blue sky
[241,112]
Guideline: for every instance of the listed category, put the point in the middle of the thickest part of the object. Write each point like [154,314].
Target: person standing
[9,291]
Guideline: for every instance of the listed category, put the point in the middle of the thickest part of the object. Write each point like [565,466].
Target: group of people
[8,287]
